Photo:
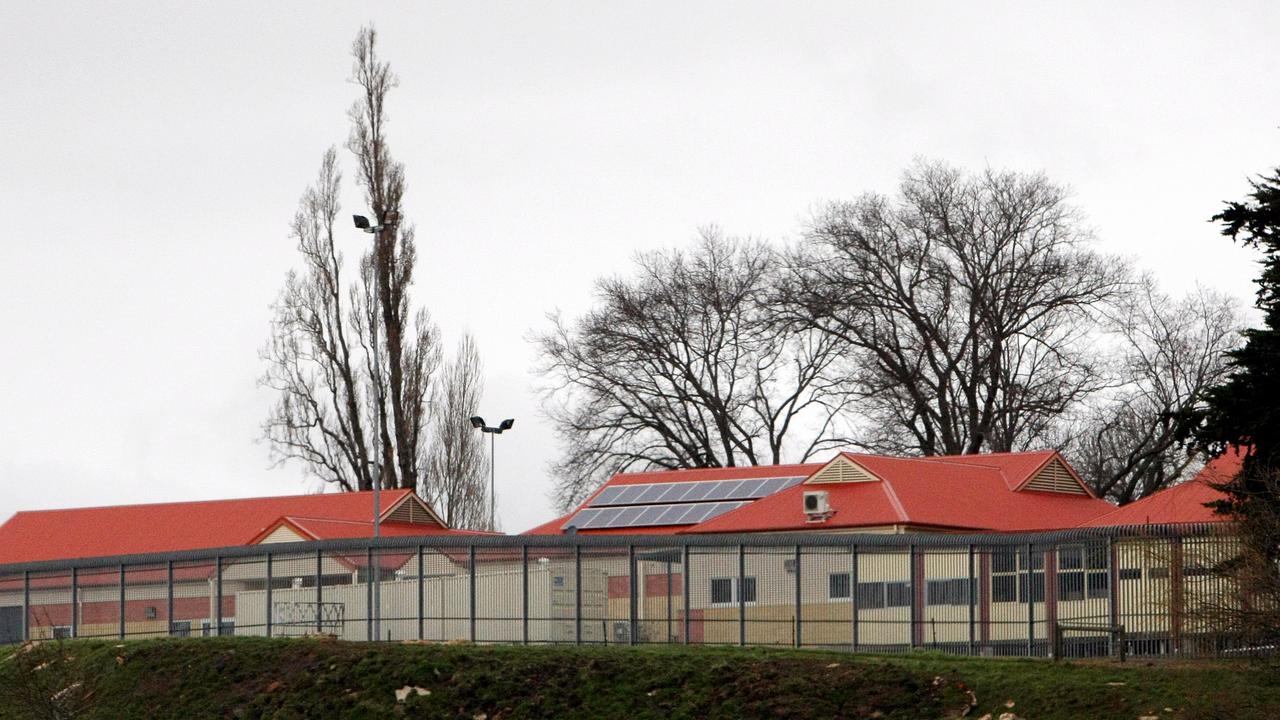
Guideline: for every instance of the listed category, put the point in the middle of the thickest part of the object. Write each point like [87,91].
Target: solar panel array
[650,515]
[700,491]
[674,503]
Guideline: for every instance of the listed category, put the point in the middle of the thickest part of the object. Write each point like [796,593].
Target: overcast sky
[151,157]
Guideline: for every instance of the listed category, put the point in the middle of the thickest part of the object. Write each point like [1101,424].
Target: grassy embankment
[256,678]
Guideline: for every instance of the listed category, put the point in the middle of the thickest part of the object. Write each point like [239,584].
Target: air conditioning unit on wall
[816,506]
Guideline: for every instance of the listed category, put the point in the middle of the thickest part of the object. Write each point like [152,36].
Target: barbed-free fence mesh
[1151,590]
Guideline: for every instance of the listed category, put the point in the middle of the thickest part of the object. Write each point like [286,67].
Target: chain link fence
[1150,590]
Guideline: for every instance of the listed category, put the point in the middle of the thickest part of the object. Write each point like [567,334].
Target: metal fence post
[26,605]
[973,587]
[853,595]
[742,601]
[217,568]
[1113,589]
[75,604]
[684,581]
[122,601]
[1031,605]
[320,596]
[368,619]
[422,593]
[799,623]
[168,594]
[915,593]
[270,610]
[577,594]
[471,593]
[633,594]
[524,594]
[670,628]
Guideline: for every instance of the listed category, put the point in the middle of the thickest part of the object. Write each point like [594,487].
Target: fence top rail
[864,541]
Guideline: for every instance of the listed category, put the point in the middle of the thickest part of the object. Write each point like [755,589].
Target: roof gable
[413,510]
[842,469]
[1055,475]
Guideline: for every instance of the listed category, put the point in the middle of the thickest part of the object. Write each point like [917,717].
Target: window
[227,627]
[1087,574]
[838,586]
[1099,585]
[1131,573]
[947,592]
[1071,558]
[1029,568]
[1157,573]
[1071,585]
[1035,591]
[870,595]
[1004,588]
[1004,560]
[180,628]
[722,591]
[897,594]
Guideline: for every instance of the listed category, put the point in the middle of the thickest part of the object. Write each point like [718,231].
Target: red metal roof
[131,529]
[1183,503]
[977,492]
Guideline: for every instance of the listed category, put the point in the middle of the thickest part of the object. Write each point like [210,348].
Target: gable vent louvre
[1055,478]
[842,471]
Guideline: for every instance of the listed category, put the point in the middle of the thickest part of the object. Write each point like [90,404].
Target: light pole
[375,573]
[377,560]
[477,422]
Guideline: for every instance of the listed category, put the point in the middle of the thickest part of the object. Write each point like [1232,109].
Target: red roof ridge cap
[204,502]
[723,467]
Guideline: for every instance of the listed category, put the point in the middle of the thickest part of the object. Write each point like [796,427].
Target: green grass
[258,678]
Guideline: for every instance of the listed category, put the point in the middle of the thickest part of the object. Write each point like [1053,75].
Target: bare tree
[317,418]
[684,365]
[965,305]
[1171,350]
[454,477]
[353,364]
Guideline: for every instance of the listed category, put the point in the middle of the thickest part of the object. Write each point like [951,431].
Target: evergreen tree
[1244,410]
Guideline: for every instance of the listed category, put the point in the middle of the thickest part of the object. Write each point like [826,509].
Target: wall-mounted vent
[842,470]
[1055,477]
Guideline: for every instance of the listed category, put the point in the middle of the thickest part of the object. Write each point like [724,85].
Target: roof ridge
[720,467]
[894,501]
[207,501]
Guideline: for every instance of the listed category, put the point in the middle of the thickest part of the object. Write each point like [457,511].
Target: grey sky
[151,156]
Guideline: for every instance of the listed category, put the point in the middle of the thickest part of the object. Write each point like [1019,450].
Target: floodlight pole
[388,218]
[478,423]
[493,496]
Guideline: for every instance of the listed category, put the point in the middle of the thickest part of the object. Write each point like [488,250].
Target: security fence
[1151,590]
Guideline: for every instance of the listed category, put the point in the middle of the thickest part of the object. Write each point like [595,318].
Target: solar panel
[630,494]
[602,517]
[651,493]
[698,491]
[723,490]
[608,495]
[674,492]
